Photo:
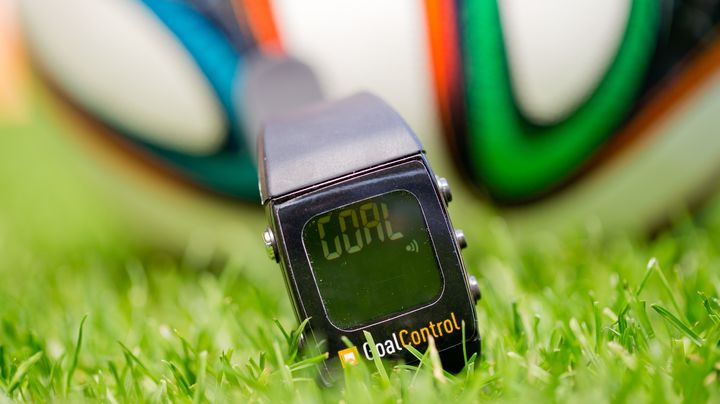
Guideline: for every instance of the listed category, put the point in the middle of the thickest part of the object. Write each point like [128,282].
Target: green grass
[582,316]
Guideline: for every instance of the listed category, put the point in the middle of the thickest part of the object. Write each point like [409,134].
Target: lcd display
[372,259]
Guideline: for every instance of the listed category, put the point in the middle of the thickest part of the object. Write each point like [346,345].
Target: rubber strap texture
[330,140]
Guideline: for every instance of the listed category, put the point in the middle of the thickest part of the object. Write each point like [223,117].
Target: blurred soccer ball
[566,109]
[558,110]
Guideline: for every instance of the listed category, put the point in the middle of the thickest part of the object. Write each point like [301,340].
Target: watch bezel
[412,174]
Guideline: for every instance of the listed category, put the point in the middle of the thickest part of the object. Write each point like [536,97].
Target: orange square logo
[349,356]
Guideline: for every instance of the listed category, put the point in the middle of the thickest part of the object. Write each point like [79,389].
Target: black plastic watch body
[339,153]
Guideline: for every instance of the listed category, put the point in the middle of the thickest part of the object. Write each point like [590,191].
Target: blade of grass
[598,324]
[179,378]
[187,358]
[3,366]
[119,381]
[437,368]
[138,362]
[518,329]
[708,307]
[376,359]
[22,370]
[420,357]
[345,340]
[309,362]
[641,312]
[651,265]
[76,355]
[679,325]
[282,367]
[280,327]
[649,269]
[667,288]
[200,384]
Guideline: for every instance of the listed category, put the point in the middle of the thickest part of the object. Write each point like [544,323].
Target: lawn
[88,314]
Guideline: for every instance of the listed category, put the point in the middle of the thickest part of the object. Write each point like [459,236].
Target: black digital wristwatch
[360,227]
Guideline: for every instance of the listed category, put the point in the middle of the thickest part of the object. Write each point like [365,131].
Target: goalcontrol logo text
[402,338]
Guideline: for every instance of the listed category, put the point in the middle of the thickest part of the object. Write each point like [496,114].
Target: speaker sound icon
[412,247]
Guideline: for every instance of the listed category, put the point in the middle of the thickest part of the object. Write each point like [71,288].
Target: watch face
[372,259]
[375,252]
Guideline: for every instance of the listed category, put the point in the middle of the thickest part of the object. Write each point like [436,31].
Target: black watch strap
[329,140]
